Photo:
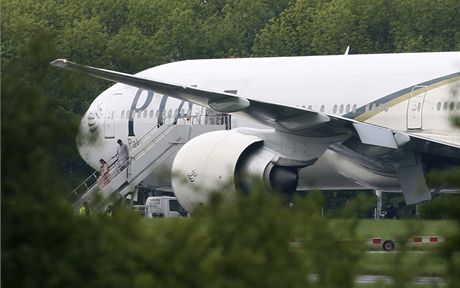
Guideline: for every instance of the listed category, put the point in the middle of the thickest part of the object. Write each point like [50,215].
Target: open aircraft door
[415,107]
[109,123]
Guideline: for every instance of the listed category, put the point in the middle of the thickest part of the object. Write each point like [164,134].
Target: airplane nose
[87,139]
[93,121]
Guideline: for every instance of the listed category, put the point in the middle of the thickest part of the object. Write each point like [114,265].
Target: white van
[163,206]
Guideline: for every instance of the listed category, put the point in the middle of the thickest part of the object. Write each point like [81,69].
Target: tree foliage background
[45,245]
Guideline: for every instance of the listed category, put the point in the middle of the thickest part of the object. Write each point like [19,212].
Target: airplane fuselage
[413,93]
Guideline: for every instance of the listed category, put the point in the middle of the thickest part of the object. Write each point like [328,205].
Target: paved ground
[370,279]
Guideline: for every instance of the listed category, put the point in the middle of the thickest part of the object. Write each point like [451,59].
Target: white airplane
[299,123]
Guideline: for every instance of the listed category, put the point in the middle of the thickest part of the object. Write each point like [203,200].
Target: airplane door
[415,107]
[110,112]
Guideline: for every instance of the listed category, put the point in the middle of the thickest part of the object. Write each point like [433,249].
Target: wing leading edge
[289,119]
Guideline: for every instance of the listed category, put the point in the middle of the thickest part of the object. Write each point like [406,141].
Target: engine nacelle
[208,162]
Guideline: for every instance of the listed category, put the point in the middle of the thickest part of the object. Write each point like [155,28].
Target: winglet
[59,62]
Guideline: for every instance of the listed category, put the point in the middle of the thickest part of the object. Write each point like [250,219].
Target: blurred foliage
[247,242]
[447,207]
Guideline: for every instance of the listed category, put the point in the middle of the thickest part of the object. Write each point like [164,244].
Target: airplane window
[145,113]
[348,108]
[445,106]
[182,112]
[374,107]
[451,106]
[151,113]
[335,109]
[458,105]
[367,107]
[138,114]
[322,108]
[354,108]
[341,108]
[309,107]
[122,114]
[438,107]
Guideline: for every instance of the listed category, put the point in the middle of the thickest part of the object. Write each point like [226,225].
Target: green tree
[426,25]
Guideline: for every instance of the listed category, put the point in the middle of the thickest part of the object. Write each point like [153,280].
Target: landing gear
[378,209]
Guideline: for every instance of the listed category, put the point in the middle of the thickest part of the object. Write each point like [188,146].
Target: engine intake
[209,162]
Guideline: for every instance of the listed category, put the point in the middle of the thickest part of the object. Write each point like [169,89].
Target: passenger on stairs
[122,155]
[104,171]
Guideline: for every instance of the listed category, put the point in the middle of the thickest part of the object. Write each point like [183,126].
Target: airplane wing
[293,120]
[290,119]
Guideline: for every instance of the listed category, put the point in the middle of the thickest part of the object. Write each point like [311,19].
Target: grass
[394,229]
[419,264]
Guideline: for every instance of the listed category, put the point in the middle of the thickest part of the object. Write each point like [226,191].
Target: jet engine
[227,160]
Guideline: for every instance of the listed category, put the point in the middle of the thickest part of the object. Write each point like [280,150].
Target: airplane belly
[160,177]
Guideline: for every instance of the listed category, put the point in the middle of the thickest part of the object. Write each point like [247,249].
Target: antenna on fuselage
[346,51]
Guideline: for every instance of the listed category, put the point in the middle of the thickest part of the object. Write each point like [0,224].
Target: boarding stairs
[147,155]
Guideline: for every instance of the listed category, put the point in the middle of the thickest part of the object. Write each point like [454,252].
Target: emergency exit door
[415,107]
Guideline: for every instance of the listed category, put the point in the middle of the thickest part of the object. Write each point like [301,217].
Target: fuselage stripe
[402,95]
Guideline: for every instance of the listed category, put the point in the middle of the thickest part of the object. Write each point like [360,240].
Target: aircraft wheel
[388,245]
